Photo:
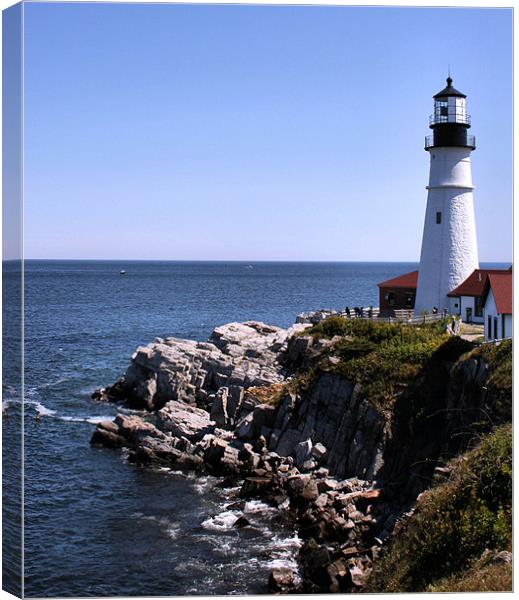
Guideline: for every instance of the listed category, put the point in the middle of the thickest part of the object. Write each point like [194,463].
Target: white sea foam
[289,543]
[283,554]
[222,522]
[257,506]
[132,411]
[94,420]
[204,484]
[170,527]
[49,384]
[42,410]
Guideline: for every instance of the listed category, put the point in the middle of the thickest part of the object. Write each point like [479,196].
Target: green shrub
[360,328]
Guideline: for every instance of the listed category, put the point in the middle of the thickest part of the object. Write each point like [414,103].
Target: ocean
[94,524]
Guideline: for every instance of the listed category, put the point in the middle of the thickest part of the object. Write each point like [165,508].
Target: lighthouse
[449,247]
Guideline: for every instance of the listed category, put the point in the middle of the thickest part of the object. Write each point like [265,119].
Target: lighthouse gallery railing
[429,141]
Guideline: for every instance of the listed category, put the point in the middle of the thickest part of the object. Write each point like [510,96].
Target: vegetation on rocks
[454,524]
[270,394]
[492,572]
[384,358]
[499,359]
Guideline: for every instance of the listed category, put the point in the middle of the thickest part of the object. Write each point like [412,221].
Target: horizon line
[249,261]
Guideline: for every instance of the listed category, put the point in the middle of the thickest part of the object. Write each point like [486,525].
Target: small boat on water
[122,272]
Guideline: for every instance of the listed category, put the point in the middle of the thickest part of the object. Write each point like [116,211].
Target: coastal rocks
[302,489]
[184,421]
[334,425]
[107,434]
[221,458]
[135,428]
[226,405]
[258,422]
[338,519]
[238,355]
[283,580]
[124,431]
[303,453]
[322,573]
[315,316]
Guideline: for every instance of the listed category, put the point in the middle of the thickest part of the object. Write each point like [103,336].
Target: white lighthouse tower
[449,247]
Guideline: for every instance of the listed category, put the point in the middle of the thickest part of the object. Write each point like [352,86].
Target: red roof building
[474,284]
[408,280]
[466,299]
[397,293]
[501,286]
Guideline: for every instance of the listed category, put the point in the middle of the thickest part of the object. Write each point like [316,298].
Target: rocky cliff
[339,424]
[236,356]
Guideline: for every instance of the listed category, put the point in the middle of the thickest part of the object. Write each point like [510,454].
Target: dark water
[95,525]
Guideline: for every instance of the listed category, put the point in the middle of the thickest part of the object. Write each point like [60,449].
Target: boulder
[258,487]
[106,434]
[319,451]
[241,522]
[303,452]
[252,425]
[219,407]
[282,580]
[248,457]
[221,458]
[182,420]
[358,576]
[302,488]
[134,428]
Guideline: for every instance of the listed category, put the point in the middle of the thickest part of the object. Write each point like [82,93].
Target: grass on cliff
[499,359]
[271,394]
[442,545]
[384,358]
[487,574]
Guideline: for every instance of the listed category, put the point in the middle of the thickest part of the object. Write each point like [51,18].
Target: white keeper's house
[497,305]
[466,300]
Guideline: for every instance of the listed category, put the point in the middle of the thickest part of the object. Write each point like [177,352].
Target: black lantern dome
[449,91]
[450,122]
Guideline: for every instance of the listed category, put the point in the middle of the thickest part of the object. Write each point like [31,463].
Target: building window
[489,327]
[390,297]
[495,328]
[438,218]
[478,307]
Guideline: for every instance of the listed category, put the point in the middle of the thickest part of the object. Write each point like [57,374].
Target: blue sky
[254,132]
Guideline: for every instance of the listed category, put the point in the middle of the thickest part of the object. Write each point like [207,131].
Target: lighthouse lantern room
[449,247]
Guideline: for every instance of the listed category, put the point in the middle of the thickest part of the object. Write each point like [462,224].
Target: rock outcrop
[237,355]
